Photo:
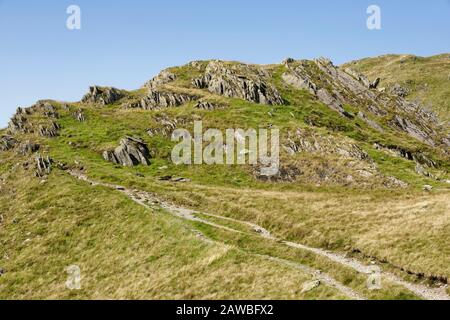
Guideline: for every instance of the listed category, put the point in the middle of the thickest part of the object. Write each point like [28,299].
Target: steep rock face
[238,81]
[131,152]
[336,88]
[102,95]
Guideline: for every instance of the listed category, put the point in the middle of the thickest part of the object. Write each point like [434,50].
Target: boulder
[131,152]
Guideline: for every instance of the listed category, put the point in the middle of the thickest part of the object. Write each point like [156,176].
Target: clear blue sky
[124,43]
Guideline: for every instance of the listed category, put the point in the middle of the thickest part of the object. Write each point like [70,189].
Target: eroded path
[149,201]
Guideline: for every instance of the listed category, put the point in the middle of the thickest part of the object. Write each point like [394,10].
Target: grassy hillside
[126,250]
[427,78]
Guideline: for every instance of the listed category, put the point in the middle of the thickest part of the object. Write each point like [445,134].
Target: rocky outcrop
[416,156]
[336,87]
[43,166]
[79,116]
[206,105]
[131,152]
[49,131]
[238,81]
[162,78]
[7,143]
[398,90]
[102,95]
[305,141]
[166,125]
[27,148]
[156,99]
[19,123]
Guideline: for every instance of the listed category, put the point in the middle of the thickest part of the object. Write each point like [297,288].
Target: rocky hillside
[347,133]
[423,79]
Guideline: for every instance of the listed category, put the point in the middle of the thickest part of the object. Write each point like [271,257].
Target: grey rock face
[43,166]
[238,81]
[166,125]
[7,143]
[158,99]
[398,90]
[131,152]
[28,147]
[49,131]
[205,105]
[102,95]
[163,78]
[18,123]
[336,87]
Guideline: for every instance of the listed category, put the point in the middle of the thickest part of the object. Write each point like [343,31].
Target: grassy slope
[126,252]
[427,78]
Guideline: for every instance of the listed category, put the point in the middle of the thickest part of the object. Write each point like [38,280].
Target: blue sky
[124,43]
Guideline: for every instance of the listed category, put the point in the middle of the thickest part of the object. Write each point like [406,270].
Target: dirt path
[150,201]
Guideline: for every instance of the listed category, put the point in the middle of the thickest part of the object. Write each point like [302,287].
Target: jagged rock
[303,141]
[205,105]
[427,188]
[412,129]
[7,143]
[43,166]
[50,131]
[163,78]
[47,109]
[159,99]
[102,95]
[238,81]
[336,87]
[166,125]
[18,123]
[131,152]
[398,90]
[79,115]
[28,147]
